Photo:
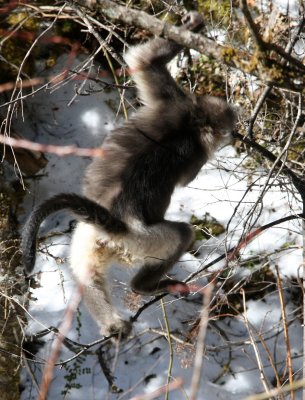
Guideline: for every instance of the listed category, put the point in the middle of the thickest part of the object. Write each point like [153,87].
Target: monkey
[126,192]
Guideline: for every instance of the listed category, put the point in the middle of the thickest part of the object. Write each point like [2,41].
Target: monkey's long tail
[85,209]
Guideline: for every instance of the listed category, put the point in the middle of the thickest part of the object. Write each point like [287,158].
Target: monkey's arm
[147,63]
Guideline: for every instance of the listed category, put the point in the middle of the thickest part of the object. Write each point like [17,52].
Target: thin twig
[107,372]
[177,384]
[254,345]
[285,326]
[232,250]
[170,365]
[278,165]
[269,87]
[63,330]
[50,148]
[107,49]
[199,356]
[97,36]
[275,392]
[221,52]
[252,25]
[298,181]
[263,341]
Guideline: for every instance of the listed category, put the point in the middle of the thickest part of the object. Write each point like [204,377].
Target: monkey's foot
[120,329]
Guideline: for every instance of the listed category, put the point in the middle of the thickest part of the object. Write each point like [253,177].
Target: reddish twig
[60,337]
[177,384]
[233,251]
[50,148]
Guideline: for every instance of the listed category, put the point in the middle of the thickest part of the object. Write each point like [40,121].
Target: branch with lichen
[268,69]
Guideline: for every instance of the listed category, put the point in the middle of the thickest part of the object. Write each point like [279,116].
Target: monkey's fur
[128,190]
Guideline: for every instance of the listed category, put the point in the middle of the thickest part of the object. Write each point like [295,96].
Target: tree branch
[298,181]
[252,25]
[242,60]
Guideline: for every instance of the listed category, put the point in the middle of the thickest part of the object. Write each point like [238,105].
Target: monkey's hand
[177,287]
[193,21]
[182,288]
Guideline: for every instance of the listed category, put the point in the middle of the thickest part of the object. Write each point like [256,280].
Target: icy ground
[141,364]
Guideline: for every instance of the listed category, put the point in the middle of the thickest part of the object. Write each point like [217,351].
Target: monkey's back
[144,160]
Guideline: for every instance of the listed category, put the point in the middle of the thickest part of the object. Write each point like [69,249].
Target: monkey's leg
[164,244]
[98,303]
[89,262]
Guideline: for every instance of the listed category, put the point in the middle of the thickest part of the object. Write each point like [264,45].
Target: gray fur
[163,145]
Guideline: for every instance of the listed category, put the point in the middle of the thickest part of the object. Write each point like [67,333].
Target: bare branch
[50,148]
[199,356]
[222,53]
[252,25]
[63,330]
[177,384]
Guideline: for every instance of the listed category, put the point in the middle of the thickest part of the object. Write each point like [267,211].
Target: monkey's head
[218,114]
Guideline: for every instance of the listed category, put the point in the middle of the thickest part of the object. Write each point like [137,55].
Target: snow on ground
[230,367]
